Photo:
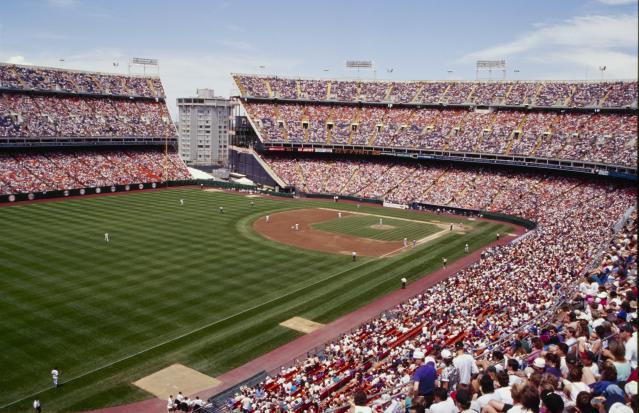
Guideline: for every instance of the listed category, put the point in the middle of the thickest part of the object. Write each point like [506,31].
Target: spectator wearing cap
[630,403]
[424,377]
[538,366]
[464,363]
[449,376]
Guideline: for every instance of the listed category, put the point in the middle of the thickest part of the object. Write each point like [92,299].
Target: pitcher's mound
[383,226]
[176,378]
[301,324]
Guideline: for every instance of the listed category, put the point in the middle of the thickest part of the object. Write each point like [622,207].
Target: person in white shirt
[513,368]
[441,402]
[55,375]
[181,201]
[268,218]
[36,406]
[487,390]
[465,364]
[170,403]
[503,392]
[198,403]
[630,339]
[106,236]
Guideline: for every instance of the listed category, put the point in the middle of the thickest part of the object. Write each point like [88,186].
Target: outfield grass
[363,226]
[176,284]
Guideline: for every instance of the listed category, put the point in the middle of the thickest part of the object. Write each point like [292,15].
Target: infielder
[268,218]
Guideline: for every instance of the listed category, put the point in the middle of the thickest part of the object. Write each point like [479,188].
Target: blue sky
[199,43]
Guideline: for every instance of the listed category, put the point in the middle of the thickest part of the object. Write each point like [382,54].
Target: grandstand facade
[578,126]
[64,130]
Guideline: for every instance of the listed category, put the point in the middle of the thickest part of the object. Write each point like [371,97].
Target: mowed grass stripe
[77,303]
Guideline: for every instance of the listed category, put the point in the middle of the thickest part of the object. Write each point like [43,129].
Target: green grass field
[176,284]
[363,226]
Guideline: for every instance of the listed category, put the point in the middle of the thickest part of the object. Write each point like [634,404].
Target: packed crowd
[69,81]
[593,137]
[550,93]
[515,332]
[32,115]
[27,172]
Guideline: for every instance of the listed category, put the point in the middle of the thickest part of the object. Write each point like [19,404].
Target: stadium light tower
[488,66]
[360,64]
[602,69]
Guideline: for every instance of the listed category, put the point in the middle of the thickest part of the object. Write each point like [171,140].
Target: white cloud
[63,3]
[616,2]
[584,43]
[235,44]
[17,60]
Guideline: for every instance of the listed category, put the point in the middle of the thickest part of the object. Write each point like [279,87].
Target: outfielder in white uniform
[54,375]
[106,236]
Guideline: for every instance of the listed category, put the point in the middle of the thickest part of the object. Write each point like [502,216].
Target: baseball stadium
[392,246]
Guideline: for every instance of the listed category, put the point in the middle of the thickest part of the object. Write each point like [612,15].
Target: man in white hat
[449,377]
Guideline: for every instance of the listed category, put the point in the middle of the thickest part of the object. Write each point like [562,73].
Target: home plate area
[176,378]
[301,324]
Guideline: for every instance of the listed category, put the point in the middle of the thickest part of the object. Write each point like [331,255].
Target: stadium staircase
[514,140]
[505,98]
[268,87]
[400,183]
[300,175]
[355,120]
[533,99]
[305,118]
[353,175]
[443,95]
[376,130]
[605,97]
[149,82]
[540,138]
[388,92]
[428,188]
[568,99]
[417,95]
[298,89]
[284,130]
[328,176]
[482,134]
[328,90]
[455,130]
[329,132]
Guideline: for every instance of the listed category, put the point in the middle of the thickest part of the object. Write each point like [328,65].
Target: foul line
[436,223]
[185,334]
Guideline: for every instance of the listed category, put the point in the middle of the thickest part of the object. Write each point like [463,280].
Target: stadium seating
[584,136]
[28,172]
[38,103]
[31,78]
[486,306]
[548,93]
